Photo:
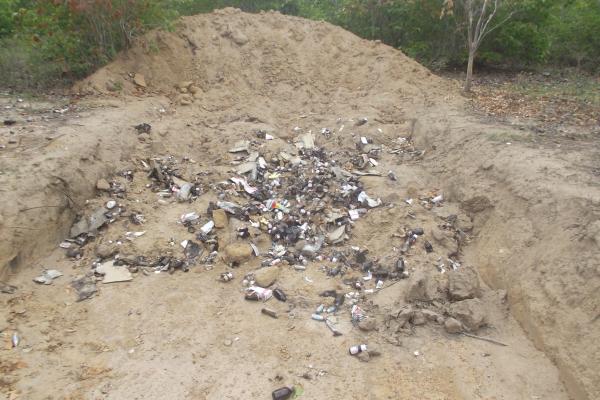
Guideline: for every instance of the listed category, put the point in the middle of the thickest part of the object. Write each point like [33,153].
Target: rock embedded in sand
[430,315]
[238,253]
[139,80]
[103,184]
[74,252]
[105,251]
[445,239]
[470,312]
[418,318]
[239,38]
[418,289]
[463,284]
[220,219]
[266,276]
[184,85]
[185,99]
[452,325]
[368,324]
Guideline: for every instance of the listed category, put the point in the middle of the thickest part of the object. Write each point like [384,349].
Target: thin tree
[478,14]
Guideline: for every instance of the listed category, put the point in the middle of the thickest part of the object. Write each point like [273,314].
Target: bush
[575,37]
[66,40]
[23,68]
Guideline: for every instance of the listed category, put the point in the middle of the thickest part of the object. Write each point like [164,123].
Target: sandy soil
[528,209]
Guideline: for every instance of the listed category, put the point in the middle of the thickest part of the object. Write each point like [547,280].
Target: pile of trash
[304,199]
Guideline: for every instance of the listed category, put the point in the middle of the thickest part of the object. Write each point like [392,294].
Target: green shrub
[63,41]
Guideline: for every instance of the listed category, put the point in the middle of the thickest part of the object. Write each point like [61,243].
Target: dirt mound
[238,54]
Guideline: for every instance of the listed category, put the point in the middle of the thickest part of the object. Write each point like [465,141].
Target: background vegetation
[44,43]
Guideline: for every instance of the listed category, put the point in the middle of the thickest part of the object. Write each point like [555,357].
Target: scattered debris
[85,287]
[90,224]
[354,350]
[284,209]
[6,288]
[226,277]
[143,128]
[113,273]
[280,295]
[47,277]
[484,339]
[361,121]
[269,312]
[241,146]
[283,393]
[257,293]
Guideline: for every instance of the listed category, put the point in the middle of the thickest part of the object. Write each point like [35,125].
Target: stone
[266,276]
[105,251]
[194,90]
[139,80]
[452,325]
[228,342]
[418,318]
[186,99]
[128,259]
[74,252]
[400,318]
[220,219]
[237,253]
[463,284]
[418,287]
[239,38]
[184,85]
[364,356]
[470,312]
[368,324]
[445,239]
[430,315]
[103,184]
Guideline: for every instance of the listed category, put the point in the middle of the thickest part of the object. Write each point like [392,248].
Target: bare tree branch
[499,24]
[477,34]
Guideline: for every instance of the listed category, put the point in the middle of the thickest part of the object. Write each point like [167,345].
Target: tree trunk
[469,71]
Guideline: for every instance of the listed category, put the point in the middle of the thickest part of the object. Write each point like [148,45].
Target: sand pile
[238,55]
